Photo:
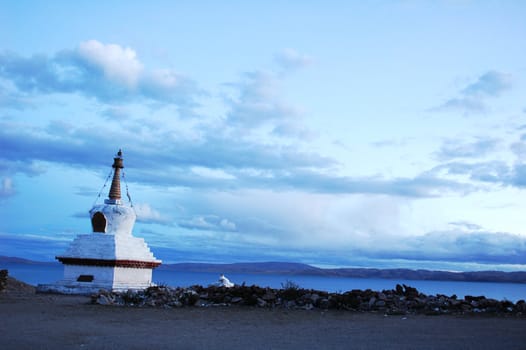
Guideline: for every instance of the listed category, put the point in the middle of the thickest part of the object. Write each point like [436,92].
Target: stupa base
[66,287]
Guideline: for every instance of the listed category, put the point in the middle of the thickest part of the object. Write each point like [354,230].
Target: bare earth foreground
[45,321]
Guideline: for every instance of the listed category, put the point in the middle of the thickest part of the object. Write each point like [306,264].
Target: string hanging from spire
[103,187]
[114,195]
[127,190]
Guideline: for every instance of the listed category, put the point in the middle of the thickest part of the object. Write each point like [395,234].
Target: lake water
[35,274]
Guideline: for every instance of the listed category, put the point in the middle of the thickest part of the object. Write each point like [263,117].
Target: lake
[35,274]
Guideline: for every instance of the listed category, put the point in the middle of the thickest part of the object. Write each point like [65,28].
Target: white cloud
[291,59]
[519,149]
[208,223]
[227,225]
[458,149]
[164,78]
[118,113]
[108,72]
[472,98]
[118,63]
[6,187]
[145,213]
[491,83]
[259,103]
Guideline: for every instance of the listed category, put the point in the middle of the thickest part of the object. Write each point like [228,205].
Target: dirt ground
[44,321]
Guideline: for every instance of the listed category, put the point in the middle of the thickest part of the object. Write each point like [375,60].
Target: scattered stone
[3,279]
[103,300]
[324,303]
[236,300]
[269,296]
[372,301]
[402,300]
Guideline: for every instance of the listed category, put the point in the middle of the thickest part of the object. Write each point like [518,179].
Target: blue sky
[335,133]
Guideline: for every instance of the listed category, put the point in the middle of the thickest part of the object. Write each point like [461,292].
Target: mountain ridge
[291,268]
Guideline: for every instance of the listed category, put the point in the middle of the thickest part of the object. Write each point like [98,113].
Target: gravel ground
[45,321]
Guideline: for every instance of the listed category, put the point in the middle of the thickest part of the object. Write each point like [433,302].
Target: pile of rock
[3,279]
[401,300]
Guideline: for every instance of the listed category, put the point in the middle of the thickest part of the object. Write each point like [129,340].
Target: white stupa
[110,257]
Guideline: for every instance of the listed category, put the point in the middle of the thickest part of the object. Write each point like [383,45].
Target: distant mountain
[12,259]
[287,268]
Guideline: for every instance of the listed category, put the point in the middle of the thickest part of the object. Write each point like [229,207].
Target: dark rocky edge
[402,300]
[3,279]
[11,285]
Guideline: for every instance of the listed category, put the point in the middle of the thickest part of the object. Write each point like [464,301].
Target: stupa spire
[115,190]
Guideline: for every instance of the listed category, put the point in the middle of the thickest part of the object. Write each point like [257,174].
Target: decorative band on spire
[115,190]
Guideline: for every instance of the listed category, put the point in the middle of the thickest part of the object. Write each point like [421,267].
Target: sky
[379,134]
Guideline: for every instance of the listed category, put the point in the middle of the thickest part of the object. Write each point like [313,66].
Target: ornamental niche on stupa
[110,257]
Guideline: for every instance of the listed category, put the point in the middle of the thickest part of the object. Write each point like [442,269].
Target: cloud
[6,187]
[18,165]
[491,83]
[389,143]
[465,225]
[519,176]
[13,100]
[472,98]
[417,187]
[117,113]
[28,246]
[118,64]
[496,172]
[465,104]
[456,149]
[290,59]
[480,246]
[519,148]
[107,72]
[491,172]
[347,229]
[294,129]
[258,105]
[208,223]
[258,101]
[248,165]
[146,214]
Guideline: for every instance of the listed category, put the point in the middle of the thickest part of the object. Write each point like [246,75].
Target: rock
[324,303]
[380,303]
[466,307]
[176,304]
[269,296]
[371,302]
[399,289]
[290,304]
[236,300]
[3,279]
[521,306]
[314,298]
[104,300]
[410,291]
[308,307]
[388,301]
